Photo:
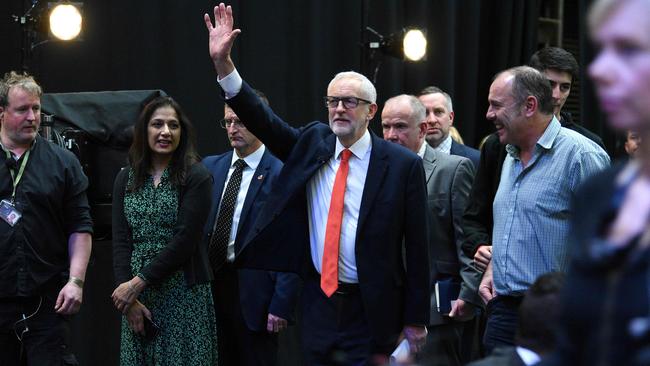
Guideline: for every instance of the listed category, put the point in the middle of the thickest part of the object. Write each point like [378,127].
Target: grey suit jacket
[449,182]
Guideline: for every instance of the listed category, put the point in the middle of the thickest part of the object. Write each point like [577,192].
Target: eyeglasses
[229,122]
[348,102]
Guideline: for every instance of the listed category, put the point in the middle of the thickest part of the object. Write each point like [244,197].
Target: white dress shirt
[319,195]
[445,145]
[422,150]
[252,161]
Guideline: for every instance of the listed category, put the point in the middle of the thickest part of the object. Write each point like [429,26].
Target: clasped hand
[124,296]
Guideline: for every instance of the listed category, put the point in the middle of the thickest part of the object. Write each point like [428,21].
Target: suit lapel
[429,162]
[295,175]
[454,148]
[219,171]
[376,171]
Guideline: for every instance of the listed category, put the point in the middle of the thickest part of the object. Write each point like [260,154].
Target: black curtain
[289,49]
[468,42]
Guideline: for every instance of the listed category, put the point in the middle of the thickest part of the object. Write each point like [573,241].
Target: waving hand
[221,38]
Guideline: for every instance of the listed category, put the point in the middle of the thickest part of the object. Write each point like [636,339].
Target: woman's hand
[135,317]
[126,293]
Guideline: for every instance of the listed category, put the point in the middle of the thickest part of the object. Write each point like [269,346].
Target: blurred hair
[539,313]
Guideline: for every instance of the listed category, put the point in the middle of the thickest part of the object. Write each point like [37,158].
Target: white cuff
[231,84]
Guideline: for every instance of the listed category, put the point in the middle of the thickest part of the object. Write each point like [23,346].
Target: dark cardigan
[184,250]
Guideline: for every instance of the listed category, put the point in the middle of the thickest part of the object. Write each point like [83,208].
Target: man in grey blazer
[449,180]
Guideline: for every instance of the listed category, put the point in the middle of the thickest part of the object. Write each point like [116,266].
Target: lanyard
[16,178]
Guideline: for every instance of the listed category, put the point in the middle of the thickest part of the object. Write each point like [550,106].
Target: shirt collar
[545,141]
[549,135]
[31,147]
[252,160]
[359,148]
[445,145]
[422,149]
[529,357]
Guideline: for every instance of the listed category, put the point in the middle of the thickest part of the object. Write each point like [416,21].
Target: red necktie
[329,279]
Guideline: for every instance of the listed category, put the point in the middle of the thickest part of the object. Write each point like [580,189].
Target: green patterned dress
[185,314]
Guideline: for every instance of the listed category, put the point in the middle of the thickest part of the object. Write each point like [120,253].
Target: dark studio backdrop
[288,49]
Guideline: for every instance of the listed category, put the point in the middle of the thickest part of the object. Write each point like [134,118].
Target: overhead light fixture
[65,24]
[414,45]
[65,20]
[408,44]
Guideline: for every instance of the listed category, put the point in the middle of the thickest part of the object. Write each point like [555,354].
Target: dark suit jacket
[449,180]
[393,213]
[260,292]
[605,289]
[466,152]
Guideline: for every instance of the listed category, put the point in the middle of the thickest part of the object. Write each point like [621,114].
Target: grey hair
[367,89]
[528,81]
[418,111]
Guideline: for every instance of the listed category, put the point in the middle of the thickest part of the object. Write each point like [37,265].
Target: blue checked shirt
[532,206]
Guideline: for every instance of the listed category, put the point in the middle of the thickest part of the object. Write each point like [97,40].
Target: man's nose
[556,92]
[31,115]
[490,115]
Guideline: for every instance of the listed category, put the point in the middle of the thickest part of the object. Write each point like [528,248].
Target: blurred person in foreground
[606,318]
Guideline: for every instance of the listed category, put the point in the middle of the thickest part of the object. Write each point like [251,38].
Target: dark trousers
[335,330]
[502,314]
[237,344]
[43,334]
[451,344]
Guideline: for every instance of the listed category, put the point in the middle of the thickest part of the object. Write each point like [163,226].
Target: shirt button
[512,210]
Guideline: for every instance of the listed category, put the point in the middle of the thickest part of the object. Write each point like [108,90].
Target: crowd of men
[413,236]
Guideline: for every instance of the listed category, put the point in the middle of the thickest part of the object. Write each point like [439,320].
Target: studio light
[408,44]
[65,20]
[44,22]
[414,45]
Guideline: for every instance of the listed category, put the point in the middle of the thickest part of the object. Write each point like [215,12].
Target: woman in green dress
[160,205]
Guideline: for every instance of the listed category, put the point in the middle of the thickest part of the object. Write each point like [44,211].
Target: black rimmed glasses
[229,122]
[348,102]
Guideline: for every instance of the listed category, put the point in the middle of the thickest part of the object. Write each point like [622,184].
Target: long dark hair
[140,153]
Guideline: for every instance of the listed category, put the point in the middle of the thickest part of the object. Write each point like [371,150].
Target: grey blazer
[449,182]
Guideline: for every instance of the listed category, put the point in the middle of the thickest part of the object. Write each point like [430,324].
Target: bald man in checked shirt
[545,164]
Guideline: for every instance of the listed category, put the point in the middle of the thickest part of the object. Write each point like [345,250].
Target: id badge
[9,212]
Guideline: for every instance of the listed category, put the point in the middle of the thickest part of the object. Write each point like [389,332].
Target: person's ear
[530,105]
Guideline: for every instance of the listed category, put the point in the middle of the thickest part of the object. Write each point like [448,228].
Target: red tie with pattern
[329,279]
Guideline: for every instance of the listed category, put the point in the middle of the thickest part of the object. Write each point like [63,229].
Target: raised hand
[221,38]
